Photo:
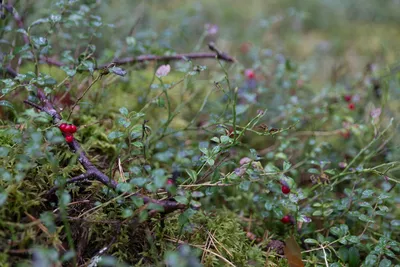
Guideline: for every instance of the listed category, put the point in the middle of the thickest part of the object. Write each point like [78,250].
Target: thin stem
[84,93]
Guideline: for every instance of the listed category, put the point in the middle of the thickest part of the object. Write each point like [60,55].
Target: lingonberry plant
[185,155]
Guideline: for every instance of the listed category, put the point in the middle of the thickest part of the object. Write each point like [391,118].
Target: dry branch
[216,54]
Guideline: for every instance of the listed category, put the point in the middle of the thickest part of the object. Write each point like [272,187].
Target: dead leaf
[293,252]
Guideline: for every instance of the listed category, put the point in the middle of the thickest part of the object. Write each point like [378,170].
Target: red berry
[285,189]
[348,98]
[68,128]
[69,138]
[345,134]
[285,219]
[62,127]
[170,182]
[352,106]
[73,129]
[249,74]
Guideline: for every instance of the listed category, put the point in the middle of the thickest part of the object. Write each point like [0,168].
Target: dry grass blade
[202,248]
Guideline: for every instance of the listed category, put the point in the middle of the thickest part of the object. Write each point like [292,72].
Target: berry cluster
[349,99]
[68,130]
[285,190]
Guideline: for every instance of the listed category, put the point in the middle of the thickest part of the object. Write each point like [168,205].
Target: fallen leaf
[293,252]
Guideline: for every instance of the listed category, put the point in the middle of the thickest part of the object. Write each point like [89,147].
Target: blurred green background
[321,32]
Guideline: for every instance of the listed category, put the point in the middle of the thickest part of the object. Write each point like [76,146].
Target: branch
[143,58]
[84,177]
[92,172]
[132,60]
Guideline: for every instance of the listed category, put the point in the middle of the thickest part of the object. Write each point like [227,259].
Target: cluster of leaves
[211,138]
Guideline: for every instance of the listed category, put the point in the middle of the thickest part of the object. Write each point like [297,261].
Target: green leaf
[331,171]
[225,139]
[124,187]
[268,205]
[48,220]
[155,206]
[343,254]
[311,241]
[197,194]
[68,71]
[385,263]
[210,162]
[193,175]
[126,213]
[317,213]
[383,196]
[138,144]
[115,135]
[4,151]
[3,198]
[195,204]
[303,218]
[139,181]
[370,260]
[281,155]
[7,104]
[118,71]
[395,223]
[245,185]
[39,21]
[313,171]
[354,257]
[367,193]
[286,165]
[123,111]
[389,253]
[70,254]
[365,218]
[335,231]
[215,139]
[270,168]
[328,212]
[365,204]
[159,177]
[138,202]
[181,199]
[353,239]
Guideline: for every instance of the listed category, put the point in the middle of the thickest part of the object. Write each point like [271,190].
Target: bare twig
[132,60]
[84,177]
[92,172]
[143,58]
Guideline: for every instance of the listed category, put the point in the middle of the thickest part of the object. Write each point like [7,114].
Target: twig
[143,58]
[84,177]
[92,172]
[84,93]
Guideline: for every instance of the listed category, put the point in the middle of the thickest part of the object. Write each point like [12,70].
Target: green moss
[222,233]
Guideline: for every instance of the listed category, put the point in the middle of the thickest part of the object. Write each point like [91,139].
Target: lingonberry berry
[352,106]
[348,98]
[249,74]
[69,138]
[170,182]
[68,128]
[73,129]
[62,127]
[285,189]
[285,219]
[345,134]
